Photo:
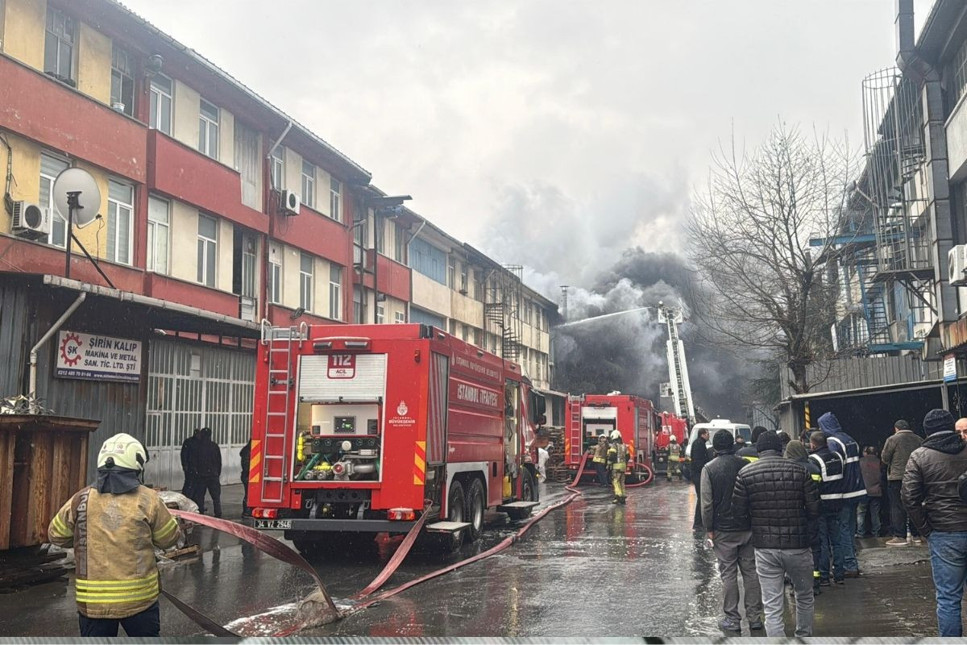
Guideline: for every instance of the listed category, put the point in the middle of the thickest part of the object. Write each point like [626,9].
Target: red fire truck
[359,428]
[591,415]
[671,426]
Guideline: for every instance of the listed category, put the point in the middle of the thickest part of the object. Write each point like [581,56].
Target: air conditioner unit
[30,221]
[291,203]
[956,264]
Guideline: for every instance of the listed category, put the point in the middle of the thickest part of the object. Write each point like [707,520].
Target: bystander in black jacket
[778,497]
[718,482]
[929,489]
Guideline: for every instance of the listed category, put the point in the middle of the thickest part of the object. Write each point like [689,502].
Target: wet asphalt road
[588,569]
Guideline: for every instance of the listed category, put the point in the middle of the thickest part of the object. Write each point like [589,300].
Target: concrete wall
[431,295]
[93,55]
[24,26]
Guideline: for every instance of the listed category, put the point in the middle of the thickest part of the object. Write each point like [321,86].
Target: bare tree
[761,237]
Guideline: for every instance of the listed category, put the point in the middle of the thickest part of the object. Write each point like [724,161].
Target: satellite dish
[89,199]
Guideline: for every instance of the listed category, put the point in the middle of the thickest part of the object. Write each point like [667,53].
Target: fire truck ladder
[575,432]
[278,403]
[676,363]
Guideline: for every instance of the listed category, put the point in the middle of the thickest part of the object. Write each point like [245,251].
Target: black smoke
[597,353]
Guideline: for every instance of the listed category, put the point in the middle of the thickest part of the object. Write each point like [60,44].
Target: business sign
[949,368]
[97,358]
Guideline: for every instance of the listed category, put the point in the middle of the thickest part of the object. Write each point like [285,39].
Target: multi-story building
[217,211]
[898,262]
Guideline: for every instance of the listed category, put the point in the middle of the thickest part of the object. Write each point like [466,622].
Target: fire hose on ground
[322,608]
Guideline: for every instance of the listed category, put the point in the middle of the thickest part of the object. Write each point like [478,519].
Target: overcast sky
[552,133]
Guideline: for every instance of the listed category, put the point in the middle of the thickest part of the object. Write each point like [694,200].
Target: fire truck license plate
[273,524]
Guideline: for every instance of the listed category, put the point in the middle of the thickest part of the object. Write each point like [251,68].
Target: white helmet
[124,451]
[615,435]
[672,439]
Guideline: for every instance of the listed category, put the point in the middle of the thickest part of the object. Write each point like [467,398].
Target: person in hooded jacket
[699,456]
[931,497]
[848,451]
[114,527]
[207,464]
[748,452]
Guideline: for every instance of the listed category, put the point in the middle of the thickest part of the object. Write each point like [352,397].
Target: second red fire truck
[591,415]
[360,429]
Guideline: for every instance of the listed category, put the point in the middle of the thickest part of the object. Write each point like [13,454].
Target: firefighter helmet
[615,435]
[124,451]
[672,439]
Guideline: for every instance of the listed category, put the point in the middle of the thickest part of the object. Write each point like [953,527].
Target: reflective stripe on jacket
[113,537]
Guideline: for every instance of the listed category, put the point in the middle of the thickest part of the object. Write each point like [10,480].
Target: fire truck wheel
[475,509]
[529,491]
[456,510]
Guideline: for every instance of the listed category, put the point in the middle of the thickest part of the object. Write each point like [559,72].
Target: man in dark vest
[731,538]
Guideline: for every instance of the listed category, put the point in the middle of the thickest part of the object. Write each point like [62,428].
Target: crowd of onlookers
[788,511]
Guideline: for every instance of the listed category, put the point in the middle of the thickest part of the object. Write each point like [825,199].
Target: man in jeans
[731,538]
[931,498]
[781,501]
[896,451]
[854,492]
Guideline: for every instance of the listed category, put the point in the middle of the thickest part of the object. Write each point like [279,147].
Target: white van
[737,430]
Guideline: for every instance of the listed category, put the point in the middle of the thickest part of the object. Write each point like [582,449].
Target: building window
[159,232]
[244,263]
[207,249]
[275,274]
[208,129]
[278,169]
[161,94]
[358,305]
[120,220]
[380,314]
[399,317]
[306,263]
[451,273]
[335,292]
[399,248]
[308,184]
[379,230]
[122,81]
[335,199]
[59,45]
[50,167]
[463,280]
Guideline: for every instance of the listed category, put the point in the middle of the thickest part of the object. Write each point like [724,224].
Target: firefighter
[600,460]
[618,460]
[118,523]
[674,459]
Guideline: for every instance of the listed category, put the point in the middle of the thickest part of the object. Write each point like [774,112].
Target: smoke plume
[595,348]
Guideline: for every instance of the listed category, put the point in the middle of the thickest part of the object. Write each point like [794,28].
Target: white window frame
[380,313]
[335,199]
[277,169]
[208,129]
[399,317]
[158,230]
[209,253]
[65,38]
[276,275]
[116,209]
[306,279]
[250,263]
[57,223]
[335,292]
[159,96]
[308,184]
[124,77]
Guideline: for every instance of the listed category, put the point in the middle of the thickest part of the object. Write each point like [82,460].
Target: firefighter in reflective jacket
[600,459]
[114,527]
[674,468]
[618,460]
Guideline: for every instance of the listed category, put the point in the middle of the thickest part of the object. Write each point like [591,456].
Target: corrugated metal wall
[26,313]
[874,371]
